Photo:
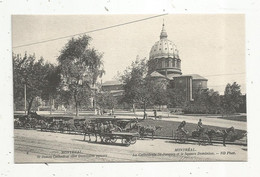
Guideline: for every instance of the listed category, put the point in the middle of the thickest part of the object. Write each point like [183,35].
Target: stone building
[164,61]
[116,88]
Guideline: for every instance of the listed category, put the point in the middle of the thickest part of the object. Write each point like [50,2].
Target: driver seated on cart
[199,126]
[181,128]
[110,127]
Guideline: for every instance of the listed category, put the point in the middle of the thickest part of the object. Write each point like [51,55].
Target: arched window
[170,62]
[163,64]
[173,62]
[178,63]
[167,63]
[158,64]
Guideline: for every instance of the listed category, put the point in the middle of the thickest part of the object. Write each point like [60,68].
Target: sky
[212,46]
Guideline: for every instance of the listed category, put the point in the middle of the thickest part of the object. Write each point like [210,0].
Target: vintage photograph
[129,88]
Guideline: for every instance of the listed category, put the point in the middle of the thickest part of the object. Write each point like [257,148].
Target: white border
[212,169]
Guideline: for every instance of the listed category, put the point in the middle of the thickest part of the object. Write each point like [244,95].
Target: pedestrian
[145,115]
[155,113]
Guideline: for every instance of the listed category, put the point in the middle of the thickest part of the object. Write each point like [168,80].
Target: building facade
[116,88]
[164,61]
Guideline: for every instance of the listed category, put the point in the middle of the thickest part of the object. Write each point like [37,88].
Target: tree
[232,98]
[140,88]
[80,67]
[176,97]
[106,100]
[30,76]
[206,101]
[53,78]
[242,106]
[213,102]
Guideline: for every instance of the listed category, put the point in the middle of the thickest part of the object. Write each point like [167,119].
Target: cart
[127,138]
[180,136]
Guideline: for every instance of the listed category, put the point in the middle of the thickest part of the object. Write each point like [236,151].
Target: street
[36,146]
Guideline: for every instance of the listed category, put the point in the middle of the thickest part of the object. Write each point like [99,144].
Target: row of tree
[71,82]
[33,78]
[208,101]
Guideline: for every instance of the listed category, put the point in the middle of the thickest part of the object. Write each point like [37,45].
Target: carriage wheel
[183,138]
[126,141]
[55,129]
[133,140]
[204,141]
[180,137]
[176,137]
[27,126]
[113,139]
[107,139]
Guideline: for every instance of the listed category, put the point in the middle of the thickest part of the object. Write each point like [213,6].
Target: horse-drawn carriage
[54,124]
[180,136]
[126,138]
[110,130]
[26,121]
[205,136]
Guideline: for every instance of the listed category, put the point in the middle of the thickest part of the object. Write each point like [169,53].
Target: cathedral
[165,63]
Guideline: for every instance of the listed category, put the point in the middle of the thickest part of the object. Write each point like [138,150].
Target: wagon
[53,124]
[126,138]
[119,132]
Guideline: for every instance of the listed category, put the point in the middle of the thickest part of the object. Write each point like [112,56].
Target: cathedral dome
[164,48]
[164,56]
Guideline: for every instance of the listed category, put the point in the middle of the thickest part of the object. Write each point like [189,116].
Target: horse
[210,134]
[69,127]
[43,124]
[181,135]
[145,130]
[90,129]
[54,126]
[224,133]
[17,123]
[202,134]
[98,129]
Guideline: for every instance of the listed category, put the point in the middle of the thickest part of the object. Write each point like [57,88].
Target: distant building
[116,88]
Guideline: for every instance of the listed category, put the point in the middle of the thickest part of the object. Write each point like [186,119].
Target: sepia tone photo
[129,88]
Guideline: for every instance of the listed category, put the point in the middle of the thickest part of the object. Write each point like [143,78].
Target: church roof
[156,74]
[113,82]
[197,77]
[194,77]
[170,76]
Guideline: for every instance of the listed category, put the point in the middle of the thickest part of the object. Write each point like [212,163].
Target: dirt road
[37,146]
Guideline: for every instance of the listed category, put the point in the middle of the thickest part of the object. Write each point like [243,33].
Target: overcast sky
[209,45]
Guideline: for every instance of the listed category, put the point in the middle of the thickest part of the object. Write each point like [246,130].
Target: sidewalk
[207,120]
